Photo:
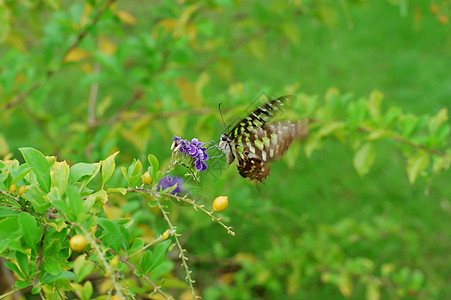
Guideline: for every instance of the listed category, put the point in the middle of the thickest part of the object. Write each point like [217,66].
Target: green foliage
[362,212]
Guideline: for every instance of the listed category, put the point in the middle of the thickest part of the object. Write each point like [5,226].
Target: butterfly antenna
[222,117]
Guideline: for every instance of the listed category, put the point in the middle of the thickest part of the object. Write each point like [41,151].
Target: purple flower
[194,149]
[196,142]
[168,181]
[200,165]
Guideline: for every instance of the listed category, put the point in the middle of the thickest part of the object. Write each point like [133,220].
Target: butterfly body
[254,142]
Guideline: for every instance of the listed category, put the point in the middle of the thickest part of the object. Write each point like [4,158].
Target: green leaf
[75,203]
[112,233]
[80,170]
[134,173]
[138,243]
[146,262]
[159,252]
[374,105]
[15,269]
[30,230]
[60,176]
[154,164]
[39,164]
[82,267]
[36,197]
[417,164]
[52,265]
[21,284]
[22,261]
[108,166]
[364,158]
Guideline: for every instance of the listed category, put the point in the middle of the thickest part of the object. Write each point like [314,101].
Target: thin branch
[137,94]
[39,258]
[181,250]
[49,73]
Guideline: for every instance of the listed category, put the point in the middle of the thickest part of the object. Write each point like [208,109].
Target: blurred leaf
[177,125]
[436,121]
[257,48]
[5,20]
[39,165]
[154,164]
[106,46]
[126,17]
[345,284]
[416,164]
[364,158]
[189,93]
[373,291]
[76,55]
[374,105]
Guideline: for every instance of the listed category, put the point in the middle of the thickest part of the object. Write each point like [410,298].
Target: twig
[49,73]
[181,250]
[137,94]
[39,258]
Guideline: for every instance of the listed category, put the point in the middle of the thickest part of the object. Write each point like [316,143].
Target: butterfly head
[225,147]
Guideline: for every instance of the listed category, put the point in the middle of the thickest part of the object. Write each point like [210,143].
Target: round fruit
[443,19]
[114,261]
[78,242]
[146,178]
[220,203]
[434,9]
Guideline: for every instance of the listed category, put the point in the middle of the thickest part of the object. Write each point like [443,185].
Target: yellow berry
[116,297]
[165,235]
[78,242]
[22,189]
[12,188]
[443,19]
[114,261]
[146,178]
[220,203]
[434,9]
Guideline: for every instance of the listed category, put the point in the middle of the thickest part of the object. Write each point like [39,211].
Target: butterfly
[254,142]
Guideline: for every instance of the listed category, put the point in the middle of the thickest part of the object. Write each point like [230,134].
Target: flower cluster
[194,149]
[168,181]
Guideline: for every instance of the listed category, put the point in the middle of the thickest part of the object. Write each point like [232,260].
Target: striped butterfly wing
[254,142]
[265,144]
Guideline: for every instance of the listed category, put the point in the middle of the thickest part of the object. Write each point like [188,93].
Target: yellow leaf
[201,82]
[224,69]
[126,17]
[107,46]
[76,55]
[236,89]
[188,92]
[257,48]
[374,104]
[86,12]
[345,284]
[4,148]
[177,125]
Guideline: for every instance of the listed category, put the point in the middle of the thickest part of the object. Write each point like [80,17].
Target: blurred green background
[146,70]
